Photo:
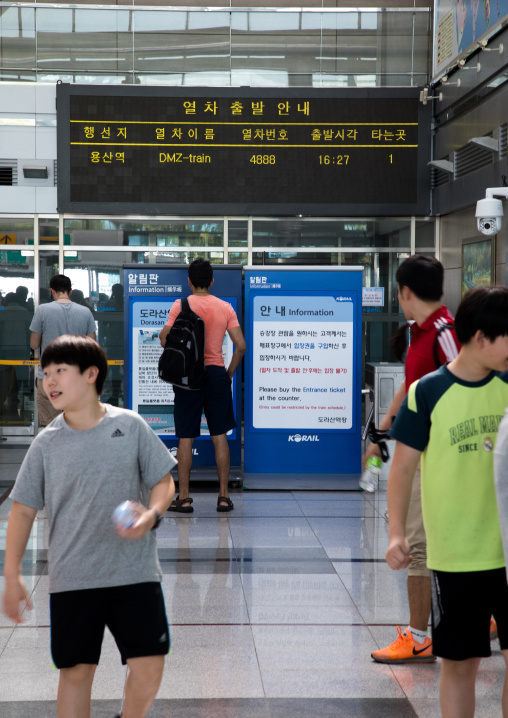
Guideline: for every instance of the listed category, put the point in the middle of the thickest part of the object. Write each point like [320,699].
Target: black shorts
[462,604]
[215,399]
[135,615]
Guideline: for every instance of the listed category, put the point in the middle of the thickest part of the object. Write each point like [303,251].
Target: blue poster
[303,370]
[150,293]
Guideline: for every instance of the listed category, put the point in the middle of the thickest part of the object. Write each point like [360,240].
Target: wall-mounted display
[243,151]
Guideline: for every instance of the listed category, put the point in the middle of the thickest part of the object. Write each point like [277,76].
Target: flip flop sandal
[223,509]
[183,506]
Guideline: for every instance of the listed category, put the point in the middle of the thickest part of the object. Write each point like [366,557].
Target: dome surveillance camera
[489,214]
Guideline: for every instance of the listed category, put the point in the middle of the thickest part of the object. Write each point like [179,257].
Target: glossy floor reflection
[274,611]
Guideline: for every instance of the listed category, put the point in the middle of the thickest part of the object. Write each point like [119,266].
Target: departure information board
[242,151]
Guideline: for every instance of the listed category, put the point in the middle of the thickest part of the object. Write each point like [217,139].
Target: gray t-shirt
[80,477]
[57,318]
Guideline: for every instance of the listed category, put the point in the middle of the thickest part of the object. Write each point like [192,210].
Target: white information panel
[152,398]
[302,362]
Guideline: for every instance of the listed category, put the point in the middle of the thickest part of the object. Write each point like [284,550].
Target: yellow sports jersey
[455,424]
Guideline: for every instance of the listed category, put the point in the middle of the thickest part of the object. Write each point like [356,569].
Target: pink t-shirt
[218,316]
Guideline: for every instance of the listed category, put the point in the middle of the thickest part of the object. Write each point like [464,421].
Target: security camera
[489,213]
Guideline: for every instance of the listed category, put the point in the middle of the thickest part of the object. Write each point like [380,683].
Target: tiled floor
[274,608]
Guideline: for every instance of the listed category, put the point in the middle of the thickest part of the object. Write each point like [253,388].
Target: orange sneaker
[405,650]
[493,629]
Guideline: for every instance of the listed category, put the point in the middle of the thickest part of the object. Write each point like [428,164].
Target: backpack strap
[184,305]
[442,328]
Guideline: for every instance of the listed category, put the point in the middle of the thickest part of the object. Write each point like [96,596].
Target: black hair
[423,276]
[484,309]
[10,298]
[201,273]
[79,351]
[60,283]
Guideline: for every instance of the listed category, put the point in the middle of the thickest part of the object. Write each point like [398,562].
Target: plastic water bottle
[370,477]
[125,515]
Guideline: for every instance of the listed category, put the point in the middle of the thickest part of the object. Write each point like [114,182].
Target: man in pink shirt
[215,398]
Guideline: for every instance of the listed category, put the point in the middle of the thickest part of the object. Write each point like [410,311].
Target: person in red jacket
[433,342]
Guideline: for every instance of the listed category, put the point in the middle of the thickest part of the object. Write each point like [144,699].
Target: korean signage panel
[252,151]
[303,370]
[150,293]
[458,26]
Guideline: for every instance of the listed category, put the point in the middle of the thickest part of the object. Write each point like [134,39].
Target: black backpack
[182,362]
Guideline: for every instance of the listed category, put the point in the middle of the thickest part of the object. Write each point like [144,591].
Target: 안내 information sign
[303,370]
[302,362]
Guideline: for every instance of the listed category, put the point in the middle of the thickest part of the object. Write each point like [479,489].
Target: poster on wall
[302,362]
[151,291]
[458,25]
[152,398]
[303,370]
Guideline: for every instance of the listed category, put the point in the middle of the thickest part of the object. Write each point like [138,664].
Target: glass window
[18,47]
[425,234]
[238,233]
[16,231]
[82,40]
[237,258]
[145,233]
[97,283]
[181,42]
[17,288]
[274,44]
[383,232]
[191,47]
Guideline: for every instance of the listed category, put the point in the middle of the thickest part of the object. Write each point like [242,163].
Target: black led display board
[242,151]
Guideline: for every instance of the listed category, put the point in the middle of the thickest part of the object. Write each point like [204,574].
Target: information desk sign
[243,151]
[303,370]
[149,293]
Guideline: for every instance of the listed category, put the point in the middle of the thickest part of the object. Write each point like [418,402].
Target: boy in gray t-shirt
[90,459]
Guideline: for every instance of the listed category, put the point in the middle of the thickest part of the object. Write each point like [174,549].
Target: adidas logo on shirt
[116,433]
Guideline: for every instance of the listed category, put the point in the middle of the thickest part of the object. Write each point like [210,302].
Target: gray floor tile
[234,707]
[314,647]
[269,533]
[295,598]
[200,581]
[486,706]
[29,686]
[5,635]
[211,614]
[295,615]
[342,508]
[334,682]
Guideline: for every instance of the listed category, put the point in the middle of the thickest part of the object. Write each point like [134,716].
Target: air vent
[8,172]
[471,158]
[503,141]
[438,177]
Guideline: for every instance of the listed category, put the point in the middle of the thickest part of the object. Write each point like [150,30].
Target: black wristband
[158,519]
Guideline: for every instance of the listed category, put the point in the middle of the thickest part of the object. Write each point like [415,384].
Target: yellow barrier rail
[35,362]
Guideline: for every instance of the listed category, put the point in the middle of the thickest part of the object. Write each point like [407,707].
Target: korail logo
[297,438]
[174,450]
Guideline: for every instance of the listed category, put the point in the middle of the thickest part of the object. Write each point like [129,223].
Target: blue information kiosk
[149,293]
[303,376]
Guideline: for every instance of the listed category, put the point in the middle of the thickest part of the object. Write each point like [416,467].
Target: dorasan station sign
[161,150]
